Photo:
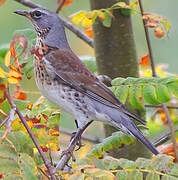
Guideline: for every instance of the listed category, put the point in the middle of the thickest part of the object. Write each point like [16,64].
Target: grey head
[48,26]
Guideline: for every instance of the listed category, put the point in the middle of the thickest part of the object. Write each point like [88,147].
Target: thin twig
[46,162]
[28,3]
[148,42]
[164,138]
[66,23]
[160,106]
[170,124]
[8,121]
[4,121]
[172,131]
[60,6]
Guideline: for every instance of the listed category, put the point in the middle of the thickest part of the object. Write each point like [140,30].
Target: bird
[65,81]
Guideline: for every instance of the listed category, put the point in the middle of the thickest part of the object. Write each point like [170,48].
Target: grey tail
[138,134]
[122,121]
[130,128]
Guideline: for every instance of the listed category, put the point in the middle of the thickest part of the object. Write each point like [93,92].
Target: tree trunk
[116,57]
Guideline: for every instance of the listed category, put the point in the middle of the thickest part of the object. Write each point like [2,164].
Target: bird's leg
[79,141]
[76,138]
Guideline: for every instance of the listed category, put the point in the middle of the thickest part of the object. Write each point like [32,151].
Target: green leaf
[8,166]
[21,104]
[28,167]
[167,80]
[126,164]
[166,24]
[143,163]
[167,177]
[135,97]
[122,175]
[121,92]
[149,94]
[135,175]
[117,81]
[162,162]
[21,141]
[126,12]
[174,170]
[108,20]
[12,177]
[163,93]
[117,140]
[173,87]
[153,176]
[7,151]
[5,106]
[3,51]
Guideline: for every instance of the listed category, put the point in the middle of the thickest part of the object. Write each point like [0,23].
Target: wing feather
[68,68]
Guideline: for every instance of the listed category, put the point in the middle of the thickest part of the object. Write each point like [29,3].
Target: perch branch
[66,23]
[170,123]
[46,162]
[66,156]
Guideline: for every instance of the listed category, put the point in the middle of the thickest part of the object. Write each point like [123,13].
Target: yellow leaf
[86,23]
[53,146]
[7,58]
[132,4]
[14,72]
[78,17]
[122,4]
[2,73]
[13,80]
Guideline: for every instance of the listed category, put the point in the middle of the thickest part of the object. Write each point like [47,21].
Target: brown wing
[68,67]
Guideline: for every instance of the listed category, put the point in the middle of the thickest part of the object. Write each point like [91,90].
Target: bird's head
[48,26]
[42,19]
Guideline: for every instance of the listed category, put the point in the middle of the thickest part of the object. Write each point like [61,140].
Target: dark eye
[36,14]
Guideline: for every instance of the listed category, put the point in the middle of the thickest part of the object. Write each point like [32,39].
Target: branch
[172,131]
[148,41]
[160,106]
[46,162]
[67,24]
[60,6]
[170,123]
[68,153]
[28,3]
[164,138]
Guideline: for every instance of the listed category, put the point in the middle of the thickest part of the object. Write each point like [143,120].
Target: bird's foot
[79,141]
[68,151]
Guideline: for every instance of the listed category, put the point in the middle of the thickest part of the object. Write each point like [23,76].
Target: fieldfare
[66,81]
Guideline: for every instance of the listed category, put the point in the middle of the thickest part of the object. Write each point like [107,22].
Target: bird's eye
[36,14]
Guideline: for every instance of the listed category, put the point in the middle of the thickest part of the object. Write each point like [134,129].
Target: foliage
[160,24]
[20,158]
[158,167]
[117,140]
[16,160]
[151,90]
